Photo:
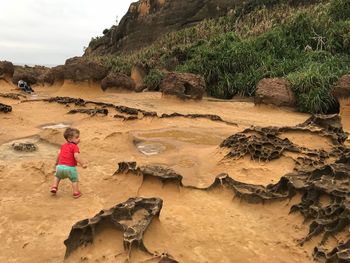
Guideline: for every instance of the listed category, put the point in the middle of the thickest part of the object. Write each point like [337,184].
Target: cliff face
[146,20]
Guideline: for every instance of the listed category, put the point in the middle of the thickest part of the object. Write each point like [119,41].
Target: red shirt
[67,154]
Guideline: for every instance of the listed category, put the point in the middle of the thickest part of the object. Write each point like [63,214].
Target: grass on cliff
[308,45]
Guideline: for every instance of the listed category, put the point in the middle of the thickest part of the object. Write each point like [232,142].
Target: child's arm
[57,158]
[79,160]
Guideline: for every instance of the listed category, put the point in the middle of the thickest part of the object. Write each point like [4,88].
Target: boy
[67,160]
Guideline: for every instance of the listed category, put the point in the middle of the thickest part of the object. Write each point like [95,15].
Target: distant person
[24,86]
[67,160]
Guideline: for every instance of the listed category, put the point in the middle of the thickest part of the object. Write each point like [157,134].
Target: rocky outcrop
[118,80]
[122,217]
[80,69]
[31,75]
[342,87]
[183,85]
[6,69]
[274,91]
[146,20]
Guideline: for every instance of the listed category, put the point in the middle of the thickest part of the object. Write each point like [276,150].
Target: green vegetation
[153,79]
[308,44]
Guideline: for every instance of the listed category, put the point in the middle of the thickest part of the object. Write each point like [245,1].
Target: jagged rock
[147,20]
[80,69]
[31,75]
[118,80]
[164,174]
[332,181]
[6,69]
[91,112]
[330,126]
[67,100]
[274,91]
[121,218]
[24,147]
[183,85]
[14,96]
[5,108]
[342,87]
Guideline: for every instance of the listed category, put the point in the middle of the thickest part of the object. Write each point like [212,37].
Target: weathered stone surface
[14,96]
[91,112]
[5,108]
[183,85]
[138,73]
[274,91]
[342,87]
[146,20]
[80,69]
[24,147]
[121,218]
[31,75]
[118,80]
[6,69]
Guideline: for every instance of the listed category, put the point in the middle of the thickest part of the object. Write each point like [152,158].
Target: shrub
[153,79]
[340,10]
[339,37]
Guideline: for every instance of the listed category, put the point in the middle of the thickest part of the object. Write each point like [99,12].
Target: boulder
[6,69]
[118,80]
[274,91]
[80,69]
[183,85]
[342,87]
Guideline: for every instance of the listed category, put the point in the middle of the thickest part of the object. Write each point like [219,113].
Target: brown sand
[194,226]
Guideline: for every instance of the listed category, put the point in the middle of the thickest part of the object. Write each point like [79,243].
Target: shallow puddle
[55,126]
[151,148]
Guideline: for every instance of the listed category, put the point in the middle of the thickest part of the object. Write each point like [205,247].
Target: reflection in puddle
[150,148]
[55,126]
[44,150]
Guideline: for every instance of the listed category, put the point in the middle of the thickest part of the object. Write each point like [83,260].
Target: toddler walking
[67,160]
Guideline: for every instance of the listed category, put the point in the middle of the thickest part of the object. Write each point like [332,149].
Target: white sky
[47,32]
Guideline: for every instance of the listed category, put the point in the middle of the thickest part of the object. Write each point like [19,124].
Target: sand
[194,226]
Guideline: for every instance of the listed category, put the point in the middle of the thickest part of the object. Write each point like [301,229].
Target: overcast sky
[50,31]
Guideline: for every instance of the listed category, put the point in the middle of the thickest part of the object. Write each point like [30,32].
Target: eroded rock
[342,87]
[118,80]
[121,218]
[6,69]
[91,112]
[274,91]
[80,69]
[24,147]
[183,85]
[5,108]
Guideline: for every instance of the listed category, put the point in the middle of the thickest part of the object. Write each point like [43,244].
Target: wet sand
[194,226]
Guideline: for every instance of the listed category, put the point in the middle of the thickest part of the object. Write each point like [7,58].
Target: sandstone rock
[80,69]
[138,73]
[342,87]
[274,91]
[24,147]
[183,85]
[118,80]
[31,75]
[6,69]
[5,108]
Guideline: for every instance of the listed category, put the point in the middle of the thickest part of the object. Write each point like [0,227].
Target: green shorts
[64,171]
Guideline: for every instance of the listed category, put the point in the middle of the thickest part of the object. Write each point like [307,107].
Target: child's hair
[70,132]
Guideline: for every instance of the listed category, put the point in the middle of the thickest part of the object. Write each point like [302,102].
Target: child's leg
[56,182]
[75,186]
